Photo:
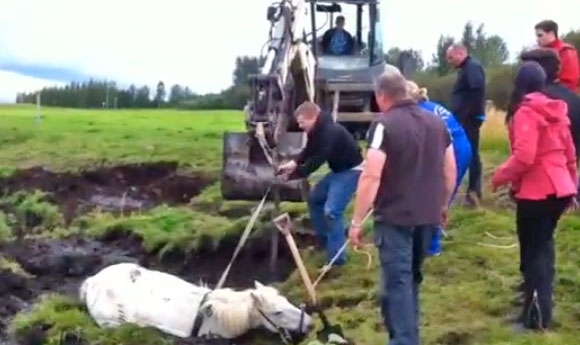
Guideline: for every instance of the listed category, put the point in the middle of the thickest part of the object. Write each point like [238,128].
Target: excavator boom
[286,77]
[301,66]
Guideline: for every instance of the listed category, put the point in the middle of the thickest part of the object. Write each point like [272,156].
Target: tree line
[436,74]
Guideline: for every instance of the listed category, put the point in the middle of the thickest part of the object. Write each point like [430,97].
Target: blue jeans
[326,204]
[462,159]
[402,250]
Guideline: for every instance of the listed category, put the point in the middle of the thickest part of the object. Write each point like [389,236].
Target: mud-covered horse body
[128,293]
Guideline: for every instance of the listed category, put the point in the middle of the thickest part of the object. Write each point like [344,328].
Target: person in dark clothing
[327,142]
[543,176]
[468,105]
[338,41]
[409,176]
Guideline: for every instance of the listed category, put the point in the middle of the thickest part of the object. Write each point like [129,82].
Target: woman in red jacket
[543,177]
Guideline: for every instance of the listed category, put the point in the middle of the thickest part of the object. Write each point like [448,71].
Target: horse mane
[231,309]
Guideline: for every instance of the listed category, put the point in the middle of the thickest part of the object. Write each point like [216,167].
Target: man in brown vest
[409,176]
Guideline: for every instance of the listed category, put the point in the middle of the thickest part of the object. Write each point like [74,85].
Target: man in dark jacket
[327,142]
[468,105]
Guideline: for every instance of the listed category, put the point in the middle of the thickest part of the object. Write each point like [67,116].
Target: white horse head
[230,313]
[278,311]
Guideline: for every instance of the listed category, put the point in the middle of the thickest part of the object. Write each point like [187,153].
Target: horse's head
[276,311]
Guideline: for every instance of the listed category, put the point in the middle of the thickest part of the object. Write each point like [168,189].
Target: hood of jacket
[548,110]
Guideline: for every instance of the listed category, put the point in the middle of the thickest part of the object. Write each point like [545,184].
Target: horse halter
[284,334]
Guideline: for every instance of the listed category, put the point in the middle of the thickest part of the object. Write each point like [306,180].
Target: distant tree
[246,65]
[490,51]
[160,94]
[439,62]
[415,61]
[176,94]
[468,38]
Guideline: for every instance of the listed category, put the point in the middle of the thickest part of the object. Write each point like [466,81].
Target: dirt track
[59,265]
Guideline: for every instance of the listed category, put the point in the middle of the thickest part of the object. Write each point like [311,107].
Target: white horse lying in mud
[128,293]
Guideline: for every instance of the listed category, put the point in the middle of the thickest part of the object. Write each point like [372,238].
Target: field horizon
[81,189]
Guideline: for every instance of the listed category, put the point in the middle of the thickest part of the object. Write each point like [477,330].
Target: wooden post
[284,225]
[38,115]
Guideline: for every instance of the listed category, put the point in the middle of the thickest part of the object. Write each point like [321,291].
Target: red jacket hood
[548,110]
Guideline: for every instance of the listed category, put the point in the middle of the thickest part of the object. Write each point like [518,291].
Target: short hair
[307,108]
[339,19]
[547,58]
[392,85]
[458,47]
[547,26]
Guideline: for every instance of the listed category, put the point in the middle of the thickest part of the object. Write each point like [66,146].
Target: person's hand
[287,167]
[494,185]
[444,216]
[281,178]
[355,234]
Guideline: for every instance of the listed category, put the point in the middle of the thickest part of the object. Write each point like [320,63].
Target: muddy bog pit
[60,265]
[112,189]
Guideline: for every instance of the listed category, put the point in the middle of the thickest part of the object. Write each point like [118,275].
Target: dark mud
[60,265]
[122,188]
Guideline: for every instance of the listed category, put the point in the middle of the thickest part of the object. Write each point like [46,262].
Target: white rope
[261,136]
[243,239]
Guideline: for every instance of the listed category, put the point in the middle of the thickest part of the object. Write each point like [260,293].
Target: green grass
[467,291]
[66,139]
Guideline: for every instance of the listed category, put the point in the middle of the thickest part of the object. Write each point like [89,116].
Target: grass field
[467,293]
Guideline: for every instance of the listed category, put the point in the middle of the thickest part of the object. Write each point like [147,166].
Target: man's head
[339,22]
[547,58]
[390,88]
[306,115]
[456,54]
[546,32]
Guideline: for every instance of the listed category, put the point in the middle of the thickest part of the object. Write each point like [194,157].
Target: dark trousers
[536,221]
[402,250]
[472,129]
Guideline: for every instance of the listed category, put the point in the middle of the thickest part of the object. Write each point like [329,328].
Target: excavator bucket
[247,173]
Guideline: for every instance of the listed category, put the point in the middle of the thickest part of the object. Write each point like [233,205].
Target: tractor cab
[362,24]
[345,81]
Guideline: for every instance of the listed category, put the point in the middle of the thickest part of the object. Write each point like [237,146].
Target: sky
[195,43]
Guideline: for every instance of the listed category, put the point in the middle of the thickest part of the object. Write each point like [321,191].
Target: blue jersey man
[461,146]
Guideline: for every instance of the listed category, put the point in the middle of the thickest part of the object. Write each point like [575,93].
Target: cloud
[11,83]
[195,43]
[44,72]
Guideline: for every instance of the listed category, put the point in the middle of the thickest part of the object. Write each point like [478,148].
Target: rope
[243,239]
[498,246]
[326,268]
[261,136]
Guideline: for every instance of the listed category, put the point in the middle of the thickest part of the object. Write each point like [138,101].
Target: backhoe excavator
[297,69]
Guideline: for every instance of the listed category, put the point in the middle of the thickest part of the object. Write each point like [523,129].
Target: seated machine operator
[338,41]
